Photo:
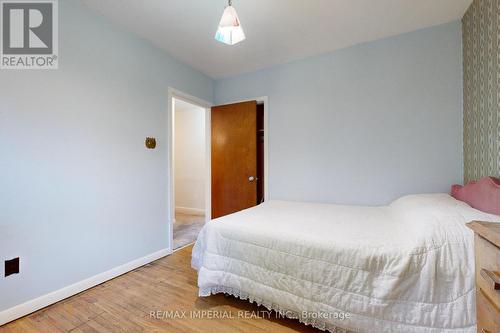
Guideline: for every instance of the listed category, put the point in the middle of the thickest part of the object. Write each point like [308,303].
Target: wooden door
[234,158]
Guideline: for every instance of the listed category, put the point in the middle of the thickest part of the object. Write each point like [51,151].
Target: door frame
[174,93]
[177,94]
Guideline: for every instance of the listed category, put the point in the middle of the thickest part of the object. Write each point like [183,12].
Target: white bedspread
[407,267]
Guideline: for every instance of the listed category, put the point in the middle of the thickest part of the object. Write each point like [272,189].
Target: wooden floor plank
[125,303]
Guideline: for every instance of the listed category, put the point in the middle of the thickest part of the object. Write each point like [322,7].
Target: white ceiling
[278,31]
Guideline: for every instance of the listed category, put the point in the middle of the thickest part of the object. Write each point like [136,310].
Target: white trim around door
[177,94]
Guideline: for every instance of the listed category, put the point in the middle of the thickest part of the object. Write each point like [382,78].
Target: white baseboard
[190,211]
[28,307]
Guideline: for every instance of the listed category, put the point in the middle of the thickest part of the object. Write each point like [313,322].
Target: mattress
[406,267]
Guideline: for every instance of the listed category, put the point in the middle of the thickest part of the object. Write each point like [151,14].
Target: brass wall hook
[150,143]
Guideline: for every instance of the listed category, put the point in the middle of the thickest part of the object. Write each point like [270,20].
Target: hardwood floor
[125,304]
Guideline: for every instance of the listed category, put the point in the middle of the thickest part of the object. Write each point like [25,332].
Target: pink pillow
[483,195]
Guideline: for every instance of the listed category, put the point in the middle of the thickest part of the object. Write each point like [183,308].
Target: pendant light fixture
[230,31]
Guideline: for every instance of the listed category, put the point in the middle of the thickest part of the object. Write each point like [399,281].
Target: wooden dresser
[487,248]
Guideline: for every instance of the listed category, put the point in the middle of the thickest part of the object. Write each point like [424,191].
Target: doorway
[189,171]
[191,219]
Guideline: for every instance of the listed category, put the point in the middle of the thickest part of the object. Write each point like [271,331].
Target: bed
[406,267]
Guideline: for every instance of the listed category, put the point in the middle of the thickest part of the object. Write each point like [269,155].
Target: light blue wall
[80,194]
[366,124]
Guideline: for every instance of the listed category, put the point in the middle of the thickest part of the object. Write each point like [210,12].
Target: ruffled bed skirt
[316,323]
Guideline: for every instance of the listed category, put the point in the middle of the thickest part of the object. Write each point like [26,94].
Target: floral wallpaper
[481,61]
